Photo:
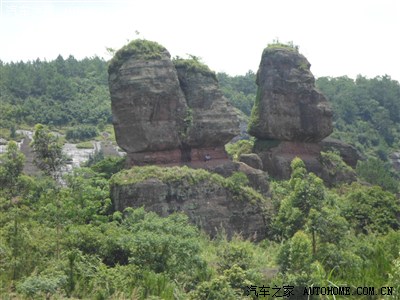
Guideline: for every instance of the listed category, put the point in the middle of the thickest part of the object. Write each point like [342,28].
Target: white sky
[339,37]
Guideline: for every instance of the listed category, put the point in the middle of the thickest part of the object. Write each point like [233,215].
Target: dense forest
[65,241]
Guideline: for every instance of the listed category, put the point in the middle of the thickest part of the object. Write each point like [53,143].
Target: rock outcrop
[167,113]
[290,117]
[214,121]
[288,107]
[148,105]
[349,153]
[251,159]
[210,201]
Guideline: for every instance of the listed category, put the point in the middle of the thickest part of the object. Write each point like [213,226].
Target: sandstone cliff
[212,202]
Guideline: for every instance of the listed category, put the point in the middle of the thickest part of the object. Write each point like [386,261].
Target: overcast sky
[339,37]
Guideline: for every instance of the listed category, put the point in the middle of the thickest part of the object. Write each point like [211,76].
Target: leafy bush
[370,209]
[160,245]
[240,147]
[108,166]
[41,286]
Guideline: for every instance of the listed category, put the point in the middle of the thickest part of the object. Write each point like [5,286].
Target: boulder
[258,179]
[252,159]
[287,106]
[349,153]
[210,203]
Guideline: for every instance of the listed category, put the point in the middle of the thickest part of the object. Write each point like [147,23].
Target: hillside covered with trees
[66,241]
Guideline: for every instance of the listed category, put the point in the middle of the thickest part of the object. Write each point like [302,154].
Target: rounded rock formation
[288,107]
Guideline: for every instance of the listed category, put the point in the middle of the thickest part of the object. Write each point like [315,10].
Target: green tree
[11,166]
[49,156]
[306,192]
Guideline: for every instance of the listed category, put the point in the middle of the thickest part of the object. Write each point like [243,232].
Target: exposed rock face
[208,203]
[349,154]
[148,105]
[215,122]
[288,107]
[160,119]
[277,155]
[252,159]
[258,179]
[290,117]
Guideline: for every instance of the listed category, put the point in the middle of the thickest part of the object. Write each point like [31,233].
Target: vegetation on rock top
[139,48]
[193,65]
[186,174]
[279,45]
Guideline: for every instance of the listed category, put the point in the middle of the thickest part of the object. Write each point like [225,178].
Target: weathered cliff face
[160,119]
[148,105]
[209,201]
[290,118]
[215,121]
[288,107]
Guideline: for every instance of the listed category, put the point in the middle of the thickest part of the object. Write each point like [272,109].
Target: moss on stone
[188,175]
[194,65]
[278,45]
[254,121]
[139,48]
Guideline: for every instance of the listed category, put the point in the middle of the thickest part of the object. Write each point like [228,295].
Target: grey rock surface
[288,107]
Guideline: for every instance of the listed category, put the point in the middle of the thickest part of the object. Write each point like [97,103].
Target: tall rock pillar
[289,116]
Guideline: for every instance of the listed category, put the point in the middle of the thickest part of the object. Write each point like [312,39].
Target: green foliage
[239,90]
[41,286]
[306,193]
[185,175]
[377,172]
[59,92]
[107,166]
[138,48]
[48,151]
[239,179]
[85,145]
[217,288]
[237,253]
[11,166]
[277,45]
[193,65]
[366,111]
[161,245]
[254,121]
[240,147]
[370,209]
[81,133]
